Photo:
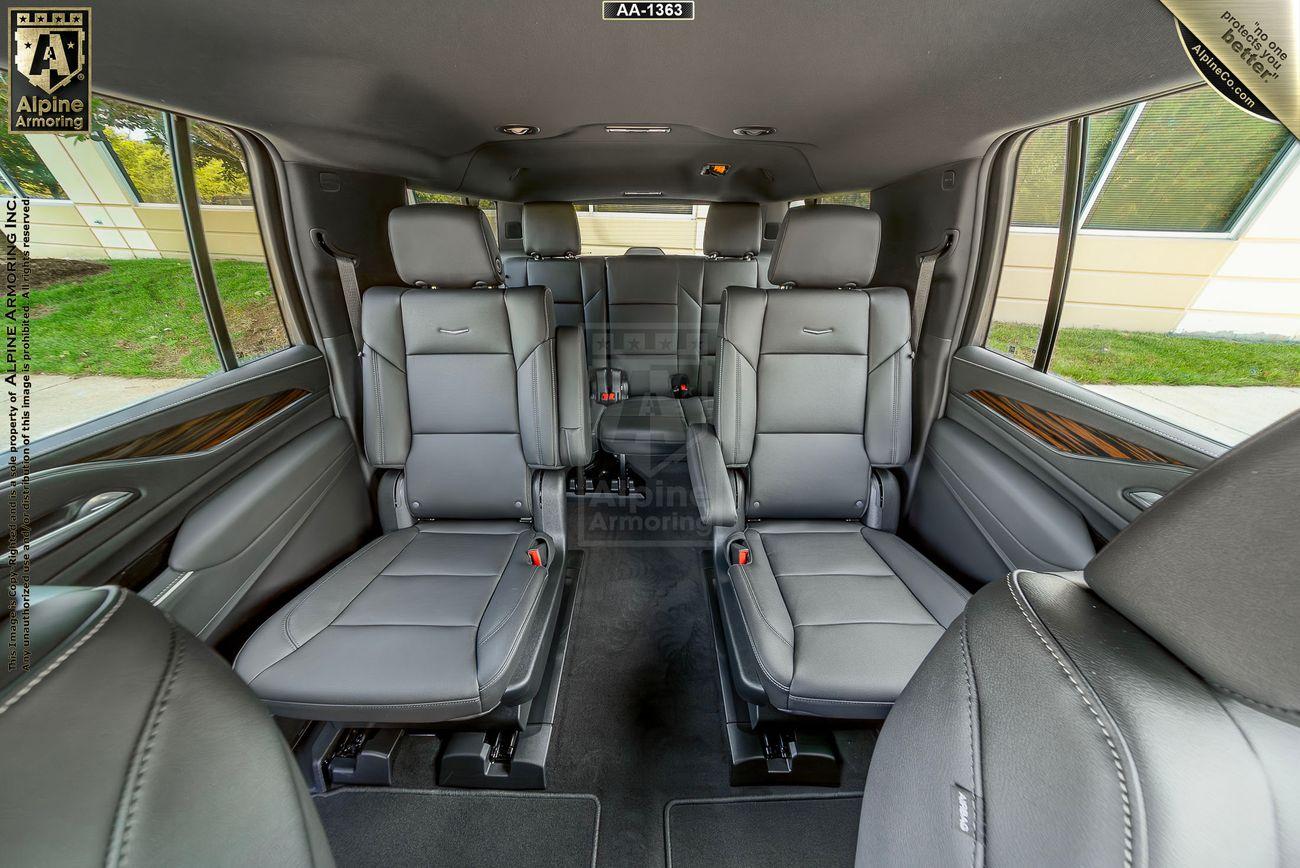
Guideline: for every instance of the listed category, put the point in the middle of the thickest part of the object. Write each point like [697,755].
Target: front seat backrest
[129,742]
[459,378]
[814,381]
[1146,713]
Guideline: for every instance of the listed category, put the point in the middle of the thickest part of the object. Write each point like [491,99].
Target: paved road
[1226,414]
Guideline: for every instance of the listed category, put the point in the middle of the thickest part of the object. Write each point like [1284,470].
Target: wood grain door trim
[202,432]
[1068,435]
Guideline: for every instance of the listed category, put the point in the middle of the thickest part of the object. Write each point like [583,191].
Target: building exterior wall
[1167,282]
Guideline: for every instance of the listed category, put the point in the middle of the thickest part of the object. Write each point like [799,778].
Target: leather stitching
[970,720]
[160,707]
[62,658]
[1012,584]
[523,596]
[173,583]
[333,574]
[514,644]
[758,607]
[1251,701]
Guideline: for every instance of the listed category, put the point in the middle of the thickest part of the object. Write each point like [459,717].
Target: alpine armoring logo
[1220,77]
[49,80]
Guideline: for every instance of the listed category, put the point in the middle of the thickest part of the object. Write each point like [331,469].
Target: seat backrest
[458,372]
[654,319]
[552,243]
[1146,713]
[113,717]
[814,380]
[733,234]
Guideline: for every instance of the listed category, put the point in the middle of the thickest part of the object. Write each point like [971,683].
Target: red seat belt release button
[535,557]
[742,557]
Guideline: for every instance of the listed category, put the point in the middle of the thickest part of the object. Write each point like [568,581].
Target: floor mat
[460,828]
[763,831]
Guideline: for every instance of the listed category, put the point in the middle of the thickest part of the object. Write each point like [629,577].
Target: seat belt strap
[347,266]
[922,297]
[925,274]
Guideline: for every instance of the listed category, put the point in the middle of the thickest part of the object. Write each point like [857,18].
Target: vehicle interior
[807,434]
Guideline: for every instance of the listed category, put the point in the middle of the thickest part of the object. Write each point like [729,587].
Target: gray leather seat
[429,623]
[663,319]
[113,731]
[552,242]
[733,237]
[813,394]
[1144,712]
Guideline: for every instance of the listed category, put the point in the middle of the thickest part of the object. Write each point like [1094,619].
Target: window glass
[610,228]
[859,198]
[135,139]
[115,313]
[1190,164]
[488,206]
[22,170]
[234,242]
[1200,328]
[1030,251]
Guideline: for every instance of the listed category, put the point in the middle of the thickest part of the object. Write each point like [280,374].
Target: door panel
[147,466]
[289,516]
[1103,461]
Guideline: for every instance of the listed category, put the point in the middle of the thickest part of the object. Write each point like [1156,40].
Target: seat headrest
[444,245]
[826,246]
[1210,571]
[551,229]
[733,229]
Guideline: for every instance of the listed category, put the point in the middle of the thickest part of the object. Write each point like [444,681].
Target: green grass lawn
[1106,357]
[142,318]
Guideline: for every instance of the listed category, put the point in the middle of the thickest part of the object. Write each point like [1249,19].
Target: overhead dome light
[518,130]
[754,132]
[637,128]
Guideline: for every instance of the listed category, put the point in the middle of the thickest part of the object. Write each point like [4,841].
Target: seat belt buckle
[537,554]
[681,386]
[740,555]
[608,385]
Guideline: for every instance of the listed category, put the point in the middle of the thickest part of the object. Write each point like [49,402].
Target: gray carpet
[763,832]
[452,828]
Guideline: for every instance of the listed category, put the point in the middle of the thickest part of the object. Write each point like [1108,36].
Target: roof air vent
[518,130]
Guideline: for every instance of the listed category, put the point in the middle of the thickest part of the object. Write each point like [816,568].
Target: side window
[234,242]
[114,308]
[1182,295]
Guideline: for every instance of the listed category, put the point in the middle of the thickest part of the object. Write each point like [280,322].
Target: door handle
[1143,498]
[63,524]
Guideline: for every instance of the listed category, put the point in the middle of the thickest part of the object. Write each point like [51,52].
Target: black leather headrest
[1212,571]
[449,246]
[733,229]
[551,229]
[826,246]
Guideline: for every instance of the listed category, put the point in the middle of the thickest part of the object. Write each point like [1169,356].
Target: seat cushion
[424,624]
[649,425]
[839,615]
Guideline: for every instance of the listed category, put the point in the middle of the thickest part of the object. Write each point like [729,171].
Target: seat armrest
[574,408]
[709,479]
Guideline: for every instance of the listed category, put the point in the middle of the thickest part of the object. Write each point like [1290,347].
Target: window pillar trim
[178,140]
[1071,202]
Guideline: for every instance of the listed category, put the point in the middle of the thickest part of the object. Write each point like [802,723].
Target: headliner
[861,94]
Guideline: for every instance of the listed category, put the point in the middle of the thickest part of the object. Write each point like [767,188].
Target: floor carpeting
[771,831]
[450,828]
